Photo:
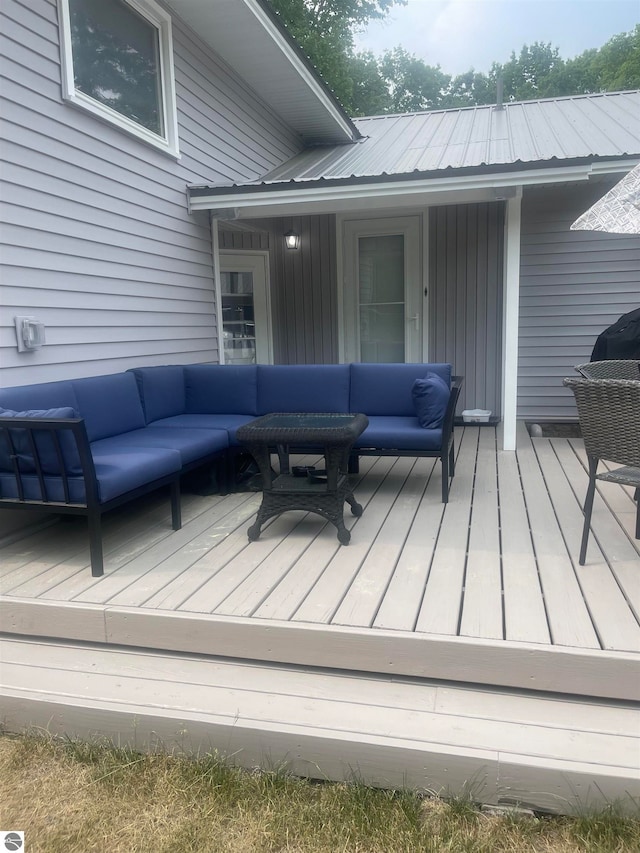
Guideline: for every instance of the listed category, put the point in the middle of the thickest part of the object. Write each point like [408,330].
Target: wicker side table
[334,435]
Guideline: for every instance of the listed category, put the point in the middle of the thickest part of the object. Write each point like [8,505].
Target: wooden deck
[450,646]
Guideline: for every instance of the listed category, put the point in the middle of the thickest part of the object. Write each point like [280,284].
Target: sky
[459,35]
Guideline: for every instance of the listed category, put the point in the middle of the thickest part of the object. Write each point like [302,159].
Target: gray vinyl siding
[573,284]
[303,285]
[465,297]
[97,242]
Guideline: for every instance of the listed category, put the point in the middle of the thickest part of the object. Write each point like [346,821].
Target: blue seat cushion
[110,405]
[386,389]
[430,397]
[191,444]
[230,423]
[118,471]
[161,390]
[215,389]
[398,433]
[303,388]
[44,441]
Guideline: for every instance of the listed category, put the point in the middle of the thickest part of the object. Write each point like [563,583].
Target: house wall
[97,240]
[466,245]
[303,285]
[573,284]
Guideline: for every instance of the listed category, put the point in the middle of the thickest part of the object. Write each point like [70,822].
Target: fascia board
[228,26]
[308,77]
[244,200]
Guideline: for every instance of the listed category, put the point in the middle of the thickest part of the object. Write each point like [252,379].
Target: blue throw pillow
[430,398]
[44,443]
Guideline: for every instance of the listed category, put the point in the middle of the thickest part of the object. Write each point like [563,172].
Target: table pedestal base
[313,498]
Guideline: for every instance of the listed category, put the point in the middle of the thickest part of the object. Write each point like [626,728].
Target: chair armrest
[68,439]
[449,415]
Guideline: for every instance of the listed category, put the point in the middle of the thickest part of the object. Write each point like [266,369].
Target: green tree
[368,91]
[525,76]
[400,82]
[472,89]
[412,84]
[617,63]
[325,30]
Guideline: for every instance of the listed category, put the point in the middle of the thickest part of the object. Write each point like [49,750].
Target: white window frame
[158,18]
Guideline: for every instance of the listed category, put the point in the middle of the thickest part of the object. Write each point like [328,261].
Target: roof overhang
[325,196]
[252,41]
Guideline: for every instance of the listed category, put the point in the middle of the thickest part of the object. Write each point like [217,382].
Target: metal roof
[581,127]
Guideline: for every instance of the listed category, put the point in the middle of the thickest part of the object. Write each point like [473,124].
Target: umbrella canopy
[617,212]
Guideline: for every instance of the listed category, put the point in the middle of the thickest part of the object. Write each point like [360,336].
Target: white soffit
[250,41]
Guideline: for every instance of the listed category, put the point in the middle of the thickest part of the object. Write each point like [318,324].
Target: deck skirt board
[395,732]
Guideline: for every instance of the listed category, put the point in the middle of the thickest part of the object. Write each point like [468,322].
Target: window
[118,64]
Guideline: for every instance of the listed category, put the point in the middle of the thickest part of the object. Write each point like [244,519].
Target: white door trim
[349,230]
[255,261]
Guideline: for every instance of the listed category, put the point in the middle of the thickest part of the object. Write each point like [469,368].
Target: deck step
[548,752]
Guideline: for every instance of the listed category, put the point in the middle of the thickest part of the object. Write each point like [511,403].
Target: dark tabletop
[290,427]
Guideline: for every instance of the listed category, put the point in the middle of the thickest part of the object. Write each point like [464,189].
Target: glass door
[246,323]
[383,290]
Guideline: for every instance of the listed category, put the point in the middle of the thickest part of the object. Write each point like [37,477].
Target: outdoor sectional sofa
[87,445]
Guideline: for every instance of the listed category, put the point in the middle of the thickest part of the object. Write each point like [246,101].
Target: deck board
[482,606]
[443,594]
[616,624]
[525,616]
[569,619]
[497,564]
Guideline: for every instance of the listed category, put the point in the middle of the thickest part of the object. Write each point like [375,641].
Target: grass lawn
[75,797]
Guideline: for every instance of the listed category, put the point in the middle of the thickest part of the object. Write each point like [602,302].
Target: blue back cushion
[430,397]
[47,395]
[386,389]
[161,391]
[17,442]
[109,405]
[303,388]
[220,389]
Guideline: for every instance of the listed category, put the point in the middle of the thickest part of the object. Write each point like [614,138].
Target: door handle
[415,319]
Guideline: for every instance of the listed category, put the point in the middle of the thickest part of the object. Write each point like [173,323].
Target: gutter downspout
[510,319]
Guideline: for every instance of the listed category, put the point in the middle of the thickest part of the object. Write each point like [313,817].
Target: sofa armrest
[42,449]
[450,412]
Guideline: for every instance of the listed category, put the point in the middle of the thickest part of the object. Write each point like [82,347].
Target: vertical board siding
[97,241]
[465,297]
[573,284]
[304,290]
[303,287]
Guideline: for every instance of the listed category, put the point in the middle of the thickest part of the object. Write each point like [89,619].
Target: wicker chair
[613,369]
[609,414]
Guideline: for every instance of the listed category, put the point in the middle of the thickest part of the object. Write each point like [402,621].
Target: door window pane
[116,59]
[381,284]
[382,333]
[238,318]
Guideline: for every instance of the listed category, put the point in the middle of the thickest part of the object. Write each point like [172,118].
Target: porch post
[217,285]
[510,319]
